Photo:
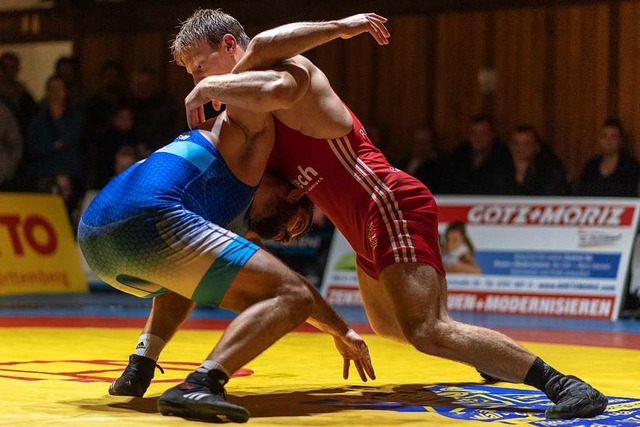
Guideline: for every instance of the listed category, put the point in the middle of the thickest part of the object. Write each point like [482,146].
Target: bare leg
[168,312]
[418,298]
[375,300]
[272,299]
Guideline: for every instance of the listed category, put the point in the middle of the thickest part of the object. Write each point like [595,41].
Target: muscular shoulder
[299,67]
[317,111]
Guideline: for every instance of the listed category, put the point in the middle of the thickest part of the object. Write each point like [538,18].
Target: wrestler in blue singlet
[169,223]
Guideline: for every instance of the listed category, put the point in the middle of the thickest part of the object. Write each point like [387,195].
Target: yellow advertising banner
[37,248]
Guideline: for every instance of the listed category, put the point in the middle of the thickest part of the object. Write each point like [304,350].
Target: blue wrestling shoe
[201,397]
[574,398]
[136,377]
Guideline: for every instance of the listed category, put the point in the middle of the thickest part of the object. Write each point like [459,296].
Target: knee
[429,337]
[298,297]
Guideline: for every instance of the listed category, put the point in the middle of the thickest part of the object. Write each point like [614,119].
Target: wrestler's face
[204,60]
[280,212]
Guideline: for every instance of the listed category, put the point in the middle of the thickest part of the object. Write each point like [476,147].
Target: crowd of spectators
[522,165]
[71,141]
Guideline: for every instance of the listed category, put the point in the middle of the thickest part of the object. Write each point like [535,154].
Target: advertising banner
[37,248]
[538,256]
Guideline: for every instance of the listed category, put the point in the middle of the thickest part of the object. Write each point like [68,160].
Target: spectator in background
[14,93]
[126,156]
[155,118]
[537,171]
[457,254]
[10,147]
[112,93]
[423,161]
[103,148]
[66,187]
[55,136]
[68,68]
[481,164]
[614,172]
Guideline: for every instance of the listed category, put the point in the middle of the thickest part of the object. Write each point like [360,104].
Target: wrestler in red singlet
[386,215]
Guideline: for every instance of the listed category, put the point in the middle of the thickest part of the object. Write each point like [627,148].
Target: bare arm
[466,265]
[282,86]
[350,345]
[272,46]
[257,91]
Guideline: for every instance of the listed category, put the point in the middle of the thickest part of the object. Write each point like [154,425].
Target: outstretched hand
[365,22]
[352,347]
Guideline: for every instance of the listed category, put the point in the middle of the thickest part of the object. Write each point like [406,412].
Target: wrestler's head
[280,211]
[208,43]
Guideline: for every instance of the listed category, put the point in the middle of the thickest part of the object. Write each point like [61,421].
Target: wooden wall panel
[582,76]
[93,52]
[403,74]
[521,61]
[147,49]
[402,80]
[329,58]
[460,52]
[561,67]
[629,72]
[360,75]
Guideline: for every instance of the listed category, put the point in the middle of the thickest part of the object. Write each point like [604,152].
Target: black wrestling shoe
[573,398]
[488,378]
[202,398]
[136,377]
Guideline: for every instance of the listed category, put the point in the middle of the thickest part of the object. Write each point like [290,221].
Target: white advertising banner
[539,256]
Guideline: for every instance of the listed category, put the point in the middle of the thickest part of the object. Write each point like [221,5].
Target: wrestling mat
[59,376]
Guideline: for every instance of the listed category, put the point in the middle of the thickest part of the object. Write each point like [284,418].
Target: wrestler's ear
[229,42]
[294,195]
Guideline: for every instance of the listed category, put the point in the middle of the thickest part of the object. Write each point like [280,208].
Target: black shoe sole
[113,391]
[204,412]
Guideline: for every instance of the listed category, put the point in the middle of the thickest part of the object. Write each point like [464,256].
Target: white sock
[208,365]
[150,346]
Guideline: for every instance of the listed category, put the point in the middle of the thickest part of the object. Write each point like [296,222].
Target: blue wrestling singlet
[169,222]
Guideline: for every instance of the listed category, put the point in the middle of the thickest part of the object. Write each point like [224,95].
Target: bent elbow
[260,53]
[282,94]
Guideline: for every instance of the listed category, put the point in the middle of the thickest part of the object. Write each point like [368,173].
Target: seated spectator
[61,183]
[10,147]
[614,172]
[103,149]
[155,118]
[537,171]
[14,93]
[126,156]
[55,136]
[457,254]
[481,164]
[423,161]
[68,69]
[112,93]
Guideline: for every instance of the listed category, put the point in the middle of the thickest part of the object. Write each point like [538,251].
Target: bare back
[320,113]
